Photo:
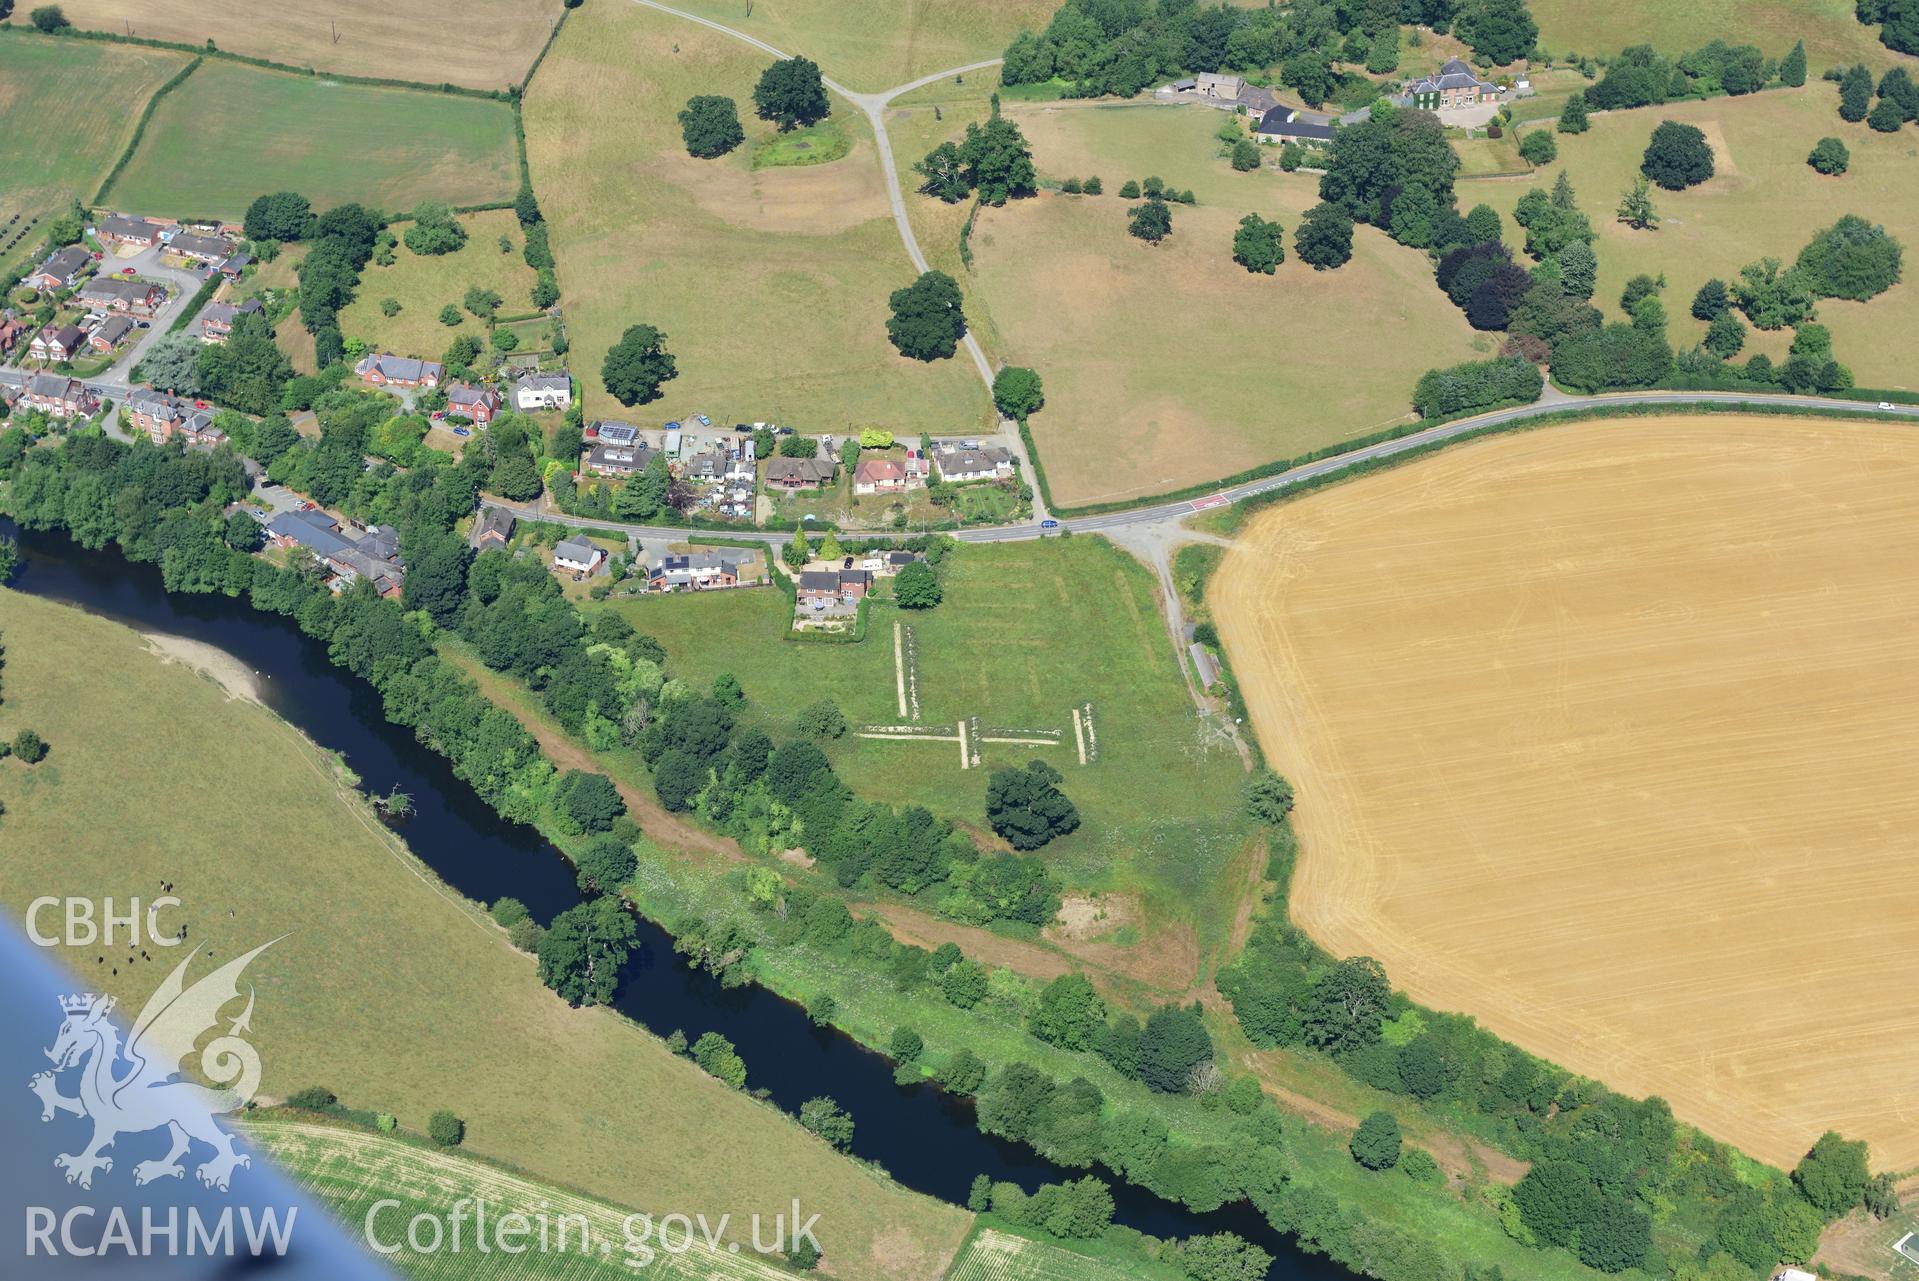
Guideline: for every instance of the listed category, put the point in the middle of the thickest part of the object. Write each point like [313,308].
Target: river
[924,1137]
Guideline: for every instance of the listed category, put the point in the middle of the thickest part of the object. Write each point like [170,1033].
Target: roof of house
[64,262]
[1456,74]
[986,458]
[635,455]
[146,400]
[188,242]
[116,225]
[806,470]
[494,520]
[469,394]
[236,262]
[820,580]
[557,381]
[1214,78]
[694,562]
[315,531]
[877,469]
[577,550]
[404,369]
[707,464]
[58,386]
[223,313]
[382,541]
[66,335]
[117,287]
[1288,122]
[113,329]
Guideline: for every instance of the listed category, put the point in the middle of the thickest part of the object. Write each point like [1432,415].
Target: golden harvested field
[1172,365]
[1764,201]
[1831,32]
[1603,734]
[481,44]
[771,284]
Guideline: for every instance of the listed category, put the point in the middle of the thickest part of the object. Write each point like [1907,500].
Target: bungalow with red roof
[62,269]
[383,370]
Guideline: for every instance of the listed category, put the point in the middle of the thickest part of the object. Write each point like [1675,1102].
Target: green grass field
[232,132]
[70,109]
[423,285]
[389,988]
[1172,366]
[1764,200]
[1828,27]
[770,284]
[351,1170]
[1026,632]
[871,45]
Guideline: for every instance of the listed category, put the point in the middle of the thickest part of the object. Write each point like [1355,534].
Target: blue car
[1049,524]
[462,431]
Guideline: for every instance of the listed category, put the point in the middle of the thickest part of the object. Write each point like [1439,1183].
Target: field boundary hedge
[140,129]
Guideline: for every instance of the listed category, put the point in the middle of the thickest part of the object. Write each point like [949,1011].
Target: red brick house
[109,333]
[216,319]
[61,270]
[468,401]
[117,230]
[121,293]
[60,396]
[398,371]
[63,343]
[12,330]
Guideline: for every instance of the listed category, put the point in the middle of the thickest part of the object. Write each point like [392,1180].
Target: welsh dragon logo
[133,1090]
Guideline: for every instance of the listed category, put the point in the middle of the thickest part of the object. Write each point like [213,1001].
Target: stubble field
[1603,735]
[479,44]
[1831,32]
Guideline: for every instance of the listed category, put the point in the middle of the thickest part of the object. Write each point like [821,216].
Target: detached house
[63,343]
[468,401]
[958,466]
[162,417]
[57,395]
[118,230]
[605,459]
[120,293]
[697,571]
[578,555]
[827,585]
[543,391]
[383,370]
[799,473]
[109,333]
[216,318]
[61,270]
[207,250]
[12,330]
[492,528]
[888,475]
[1456,85]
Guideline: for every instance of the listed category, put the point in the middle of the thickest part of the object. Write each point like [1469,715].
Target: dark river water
[925,1138]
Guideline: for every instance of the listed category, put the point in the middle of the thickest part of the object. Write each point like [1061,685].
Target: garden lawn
[70,108]
[481,44]
[873,45]
[1172,366]
[771,285]
[1831,32]
[233,132]
[388,988]
[1026,632]
[1765,200]
[424,284]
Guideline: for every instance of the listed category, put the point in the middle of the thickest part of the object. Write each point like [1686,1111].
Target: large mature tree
[436,575]
[1712,301]
[1578,269]
[917,586]
[583,950]
[1678,156]
[791,94]
[1151,222]
[1069,1013]
[1725,336]
[944,169]
[1324,237]
[1222,1256]
[1374,163]
[1346,1004]
[172,363]
[638,365]
[1885,116]
[1173,1043]
[1852,259]
[1572,117]
[998,163]
[1375,1144]
[435,230]
[1502,31]
[1792,67]
[1259,245]
[1018,392]
[710,126]
[284,215]
[927,320]
[1026,806]
[248,371]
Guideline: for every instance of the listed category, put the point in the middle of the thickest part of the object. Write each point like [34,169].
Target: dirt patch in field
[922,929]
[1602,734]
[1723,165]
[807,200]
[226,671]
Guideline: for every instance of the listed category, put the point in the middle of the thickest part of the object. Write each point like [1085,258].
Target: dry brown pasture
[1604,735]
[481,44]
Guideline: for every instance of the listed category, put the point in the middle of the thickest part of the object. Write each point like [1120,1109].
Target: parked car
[672,426]
[143,324]
[786,431]
[462,431]
[1049,524]
[99,257]
[704,420]
[201,404]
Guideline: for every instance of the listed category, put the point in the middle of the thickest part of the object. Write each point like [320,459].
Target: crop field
[770,284]
[351,1170]
[1831,33]
[480,44]
[330,141]
[70,109]
[873,45]
[1171,366]
[422,285]
[1765,200]
[1026,633]
[377,949]
[1601,735]
[992,1255]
